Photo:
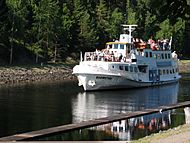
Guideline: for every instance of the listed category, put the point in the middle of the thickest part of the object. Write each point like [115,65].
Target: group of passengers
[105,55]
[160,44]
[108,54]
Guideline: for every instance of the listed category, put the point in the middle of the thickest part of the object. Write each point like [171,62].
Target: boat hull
[92,82]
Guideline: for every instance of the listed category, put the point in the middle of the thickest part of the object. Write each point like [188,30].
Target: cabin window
[164,72]
[126,68]
[115,46]
[142,69]
[110,46]
[170,71]
[121,67]
[135,69]
[166,56]
[158,56]
[173,71]
[169,56]
[167,71]
[160,72]
[151,54]
[146,54]
[113,67]
[121,46]
[162,56]
[131,69]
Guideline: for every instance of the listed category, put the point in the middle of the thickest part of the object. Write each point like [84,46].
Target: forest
[34,31]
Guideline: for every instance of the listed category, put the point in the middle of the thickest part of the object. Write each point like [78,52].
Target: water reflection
[90,105]
[38,106]
[139,127]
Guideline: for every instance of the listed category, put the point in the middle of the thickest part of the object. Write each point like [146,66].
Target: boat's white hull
[104,82]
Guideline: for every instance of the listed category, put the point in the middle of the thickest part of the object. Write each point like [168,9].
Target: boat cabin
[122,48]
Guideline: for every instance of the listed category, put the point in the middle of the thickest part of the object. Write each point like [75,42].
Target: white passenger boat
[124,65]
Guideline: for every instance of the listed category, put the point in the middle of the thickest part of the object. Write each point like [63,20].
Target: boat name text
[103,77]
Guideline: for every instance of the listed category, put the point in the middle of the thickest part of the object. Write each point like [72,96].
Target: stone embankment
[16,75]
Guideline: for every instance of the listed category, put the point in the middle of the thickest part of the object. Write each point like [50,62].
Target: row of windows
[119,46]
[143,69]
[158,55]
[167,71]
[127,68]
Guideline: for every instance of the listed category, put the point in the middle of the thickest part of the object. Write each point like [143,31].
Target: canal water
[30,107]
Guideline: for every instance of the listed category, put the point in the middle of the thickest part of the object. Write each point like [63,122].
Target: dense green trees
[186,48]
[4,23]
[51,30]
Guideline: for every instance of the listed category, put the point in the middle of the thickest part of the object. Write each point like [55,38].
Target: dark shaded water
[36,106]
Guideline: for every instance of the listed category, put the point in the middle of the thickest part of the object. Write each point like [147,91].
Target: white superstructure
[124,65]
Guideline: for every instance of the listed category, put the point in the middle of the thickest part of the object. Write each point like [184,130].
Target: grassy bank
[184,66]
[168,135]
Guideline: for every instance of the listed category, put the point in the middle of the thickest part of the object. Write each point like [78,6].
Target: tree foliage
[54,29]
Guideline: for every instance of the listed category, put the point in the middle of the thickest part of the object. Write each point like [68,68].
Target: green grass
[164,134]
[184,66]
[184,61]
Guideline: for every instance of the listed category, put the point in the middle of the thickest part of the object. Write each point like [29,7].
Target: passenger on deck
[116,56]
[154,46]
[136,42]
[112,56]
[120,57]
[174,55]
[142,44]
[132,55]
[165,44]
[160,44]
[151,41]
[97,52]
[139,43]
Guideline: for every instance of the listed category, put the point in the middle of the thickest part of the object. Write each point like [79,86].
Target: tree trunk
[186,50]
[11,55]
[37,58]
[55,54]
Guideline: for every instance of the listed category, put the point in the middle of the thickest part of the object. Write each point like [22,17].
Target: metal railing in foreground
[86,124]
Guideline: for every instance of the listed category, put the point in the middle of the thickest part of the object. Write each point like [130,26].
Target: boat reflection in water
[91,105]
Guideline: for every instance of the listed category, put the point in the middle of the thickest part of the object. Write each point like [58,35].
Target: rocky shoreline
[16,75]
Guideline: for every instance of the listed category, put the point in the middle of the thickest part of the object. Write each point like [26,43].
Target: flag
[170,43]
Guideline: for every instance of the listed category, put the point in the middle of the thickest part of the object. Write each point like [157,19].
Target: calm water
[36,106]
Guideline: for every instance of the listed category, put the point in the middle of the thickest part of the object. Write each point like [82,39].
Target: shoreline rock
[18,75]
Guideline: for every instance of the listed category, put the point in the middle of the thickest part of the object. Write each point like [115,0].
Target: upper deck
[126,52]
[129,49]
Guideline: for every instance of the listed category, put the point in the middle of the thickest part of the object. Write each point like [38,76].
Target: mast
[130,28]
